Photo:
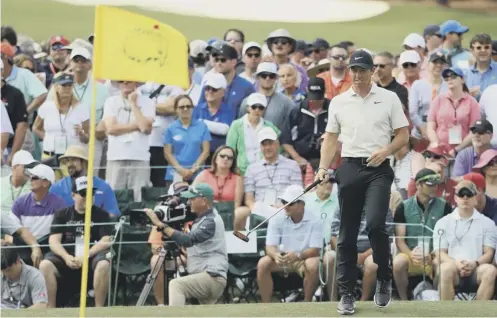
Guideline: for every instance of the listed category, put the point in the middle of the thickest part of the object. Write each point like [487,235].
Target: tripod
[168,253]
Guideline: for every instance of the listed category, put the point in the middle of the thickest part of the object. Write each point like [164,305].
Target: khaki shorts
[415,269]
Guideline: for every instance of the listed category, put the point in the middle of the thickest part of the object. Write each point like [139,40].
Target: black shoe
[346,305]
[383,293]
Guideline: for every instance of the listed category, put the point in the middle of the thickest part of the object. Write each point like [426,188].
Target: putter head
[241,236]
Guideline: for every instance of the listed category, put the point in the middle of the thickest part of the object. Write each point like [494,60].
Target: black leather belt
[362,160]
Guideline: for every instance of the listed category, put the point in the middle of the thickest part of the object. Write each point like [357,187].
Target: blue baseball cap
[455,70]
[452,26]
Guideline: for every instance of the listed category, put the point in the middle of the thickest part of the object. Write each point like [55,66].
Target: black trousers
[362,188]
[157,159]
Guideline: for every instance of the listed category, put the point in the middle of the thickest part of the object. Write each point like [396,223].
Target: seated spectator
[482,133]
[465,241]
[36,210]
[11,226]
[416,217]
[76,160]
[289,83]
[430,155]
[23,286]
[487,165]
[16,184]
[365,262]
[267,178]
[293,243]
[402,168]
[242,135]
[223,177]
[445,189]
[484,204]
[214,112]
[62,122]
[65,260]
[186,143]
[128,119]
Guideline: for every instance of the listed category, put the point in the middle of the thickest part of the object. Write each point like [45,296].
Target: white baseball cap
[215,80]
[81,184]
[81,51]
[43,172]
[250,45]
[256,99]
[22,157]
[267,67]
[409,56]
[291,192]
[267,133]
[414,40]
[197,48]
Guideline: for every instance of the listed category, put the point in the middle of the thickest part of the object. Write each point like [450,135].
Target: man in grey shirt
[23,286]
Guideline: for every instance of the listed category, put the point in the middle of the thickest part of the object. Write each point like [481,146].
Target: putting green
[42,18]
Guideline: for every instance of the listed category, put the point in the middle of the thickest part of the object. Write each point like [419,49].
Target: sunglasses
[433,156]
[339,57]
[259,107]
[438,61]
[281,41]
[266,75]
[226,157]
[79,59]
[185,107]
[409,64]
[220,59]
[457,33]
[435,179]
[451,76]
[34,178]
[83,193]
[465,192]
[317,51]
[286,202]
[255,55]
[211,89]
[482,47]
[381,65]
[57,47]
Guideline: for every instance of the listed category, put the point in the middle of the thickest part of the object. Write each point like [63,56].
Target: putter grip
[312,185]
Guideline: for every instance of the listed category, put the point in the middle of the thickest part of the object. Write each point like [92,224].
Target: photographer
[207,260]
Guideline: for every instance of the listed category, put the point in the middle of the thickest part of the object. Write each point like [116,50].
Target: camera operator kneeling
[207,258]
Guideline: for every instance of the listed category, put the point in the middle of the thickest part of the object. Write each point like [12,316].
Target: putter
[245,238]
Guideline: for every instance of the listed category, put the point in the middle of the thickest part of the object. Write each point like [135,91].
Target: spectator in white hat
[198,53]
[251,53]
[415,42]
[410,62]
[282,44]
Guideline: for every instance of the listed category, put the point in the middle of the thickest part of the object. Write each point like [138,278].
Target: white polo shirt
[365,124]
[488,109]
[464,238]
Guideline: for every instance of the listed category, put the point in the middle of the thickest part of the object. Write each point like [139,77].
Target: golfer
[365,116]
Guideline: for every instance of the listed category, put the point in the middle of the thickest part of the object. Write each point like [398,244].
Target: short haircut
[9,255]
[481,38]
[240,34]
[337,46]
[346,44]
[9,34]
[388,55]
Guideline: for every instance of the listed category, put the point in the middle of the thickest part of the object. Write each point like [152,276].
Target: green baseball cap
[198,190]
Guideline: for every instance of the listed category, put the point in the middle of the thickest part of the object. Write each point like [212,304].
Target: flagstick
[89,190]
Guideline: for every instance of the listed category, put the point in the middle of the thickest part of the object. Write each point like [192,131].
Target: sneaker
[346,305]
[383,293]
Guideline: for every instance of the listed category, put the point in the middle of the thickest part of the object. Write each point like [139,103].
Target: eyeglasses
[259,107]
[339,57]
[482,47]
[211,89]
[266,75]
[381,65]
[465,192]
[409,64]
[451,76]
[223,156]
[185,107]
[281,41]
[253,55]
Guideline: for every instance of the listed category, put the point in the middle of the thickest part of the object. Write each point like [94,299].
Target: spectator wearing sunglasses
[485,203]
[416,217]
[452,114]
[338,79]
[415,42]
[58,58]
[64,263]
[465,241]
[410,61]
[484,72]
[251,53]
[452,32]
[482,133]
[319,49]
[433,38]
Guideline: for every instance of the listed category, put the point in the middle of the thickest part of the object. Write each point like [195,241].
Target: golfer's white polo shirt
[464,238]
[365,124]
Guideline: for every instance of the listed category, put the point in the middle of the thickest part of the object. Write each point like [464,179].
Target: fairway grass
[41,19]
[326,309]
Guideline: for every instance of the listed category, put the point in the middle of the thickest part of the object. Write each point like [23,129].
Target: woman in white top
[61,122]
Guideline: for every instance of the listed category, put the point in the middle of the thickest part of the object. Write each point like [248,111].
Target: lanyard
[62,123]
[80,97]
[220,187]
[125,108]
[52,68]
[464,234]
[274,172]
[12,191]
[11,296]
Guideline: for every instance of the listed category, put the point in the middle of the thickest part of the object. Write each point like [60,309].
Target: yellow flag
[132,47]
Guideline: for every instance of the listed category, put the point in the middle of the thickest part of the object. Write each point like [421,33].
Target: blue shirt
[186,143]
[104,196]
[224,115]
[234,94]
[473,77]
[490,209]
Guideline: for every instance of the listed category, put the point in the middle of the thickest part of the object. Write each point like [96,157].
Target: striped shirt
[262,177]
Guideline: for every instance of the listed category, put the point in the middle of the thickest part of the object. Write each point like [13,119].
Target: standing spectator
[451,114]
[289,83]
[452,32]
[23,286]
[58,58]
[465,241]
[243,132]
[217,115]
[236,39]
[487,165]
[27,62]
[9,36]
[432,37]
[349,46]
[198,55]
[301,54]
[186,143]
[416,43]
[251,55]
[484,72]
[338,79]
[281,44]
[225,60]
[128,121]
[488,109]
[195,88]
[319,49]
[411,64]
[62,122]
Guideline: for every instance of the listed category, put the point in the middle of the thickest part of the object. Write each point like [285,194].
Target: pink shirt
[224,188]
[447,113]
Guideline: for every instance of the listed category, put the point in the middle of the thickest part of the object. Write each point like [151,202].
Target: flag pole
[89,190]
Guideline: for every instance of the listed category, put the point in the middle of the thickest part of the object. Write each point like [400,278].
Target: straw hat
[75,152]
[320,67]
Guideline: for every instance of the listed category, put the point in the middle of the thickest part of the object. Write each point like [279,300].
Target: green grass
[42,18]
[327,309]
